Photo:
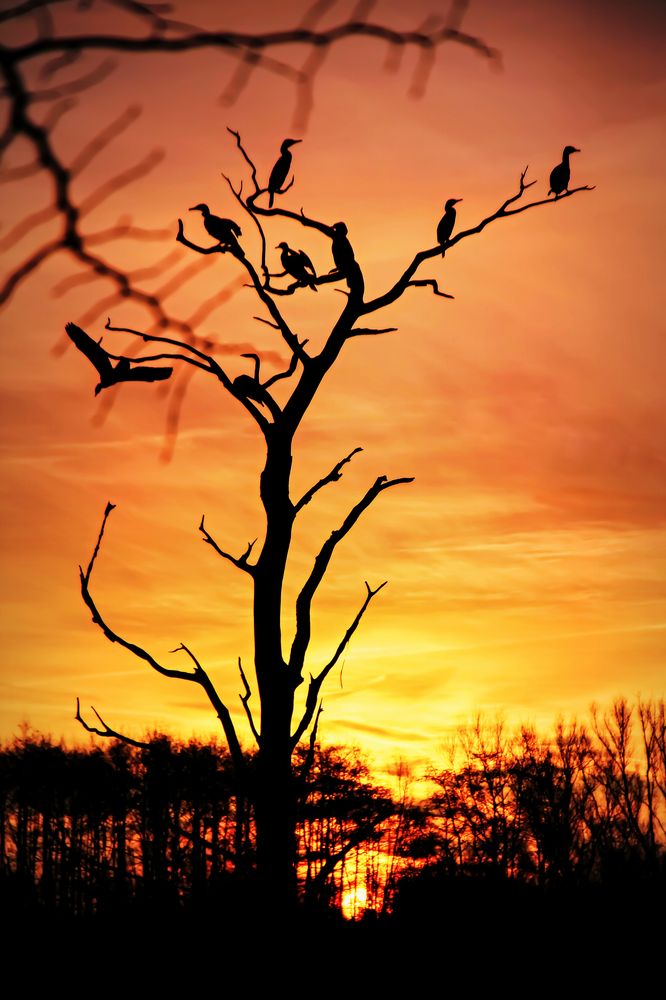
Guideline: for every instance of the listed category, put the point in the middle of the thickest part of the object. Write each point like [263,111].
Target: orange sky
[526,564]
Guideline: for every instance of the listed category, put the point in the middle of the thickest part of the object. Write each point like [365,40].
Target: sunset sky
[527,562]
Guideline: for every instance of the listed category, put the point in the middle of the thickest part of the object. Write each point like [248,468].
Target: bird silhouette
[560,175]
[225,231]
[341,248]
[281,169]
[446,223]
[298,265]
[110,374]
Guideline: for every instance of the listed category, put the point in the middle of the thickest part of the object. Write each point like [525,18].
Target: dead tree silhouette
[274,784]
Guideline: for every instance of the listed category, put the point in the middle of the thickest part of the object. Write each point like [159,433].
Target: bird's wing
[307,263]
[235,228]
[141,374]
[92,350]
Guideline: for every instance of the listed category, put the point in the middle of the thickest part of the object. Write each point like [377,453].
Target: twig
[333,476]
[241,562]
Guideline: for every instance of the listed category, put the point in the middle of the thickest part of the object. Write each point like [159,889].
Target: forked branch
[333,476]
[241,562]
[107,731]
[322,560]
[317,680]
[245,698]
[198,675]
[503,212]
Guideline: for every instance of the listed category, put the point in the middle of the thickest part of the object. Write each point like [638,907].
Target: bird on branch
[298,265]
[110,374]
[245,385]
[225,231]
[446,223]
[560,175]
[341,248]
[280,171]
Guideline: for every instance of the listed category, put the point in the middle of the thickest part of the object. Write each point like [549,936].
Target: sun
[354,902]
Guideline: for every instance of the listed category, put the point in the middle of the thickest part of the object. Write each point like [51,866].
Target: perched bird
[112,374]
[225,231]
[447,222]
[298,265]
[341,248]
[247,386]
[559,175]
[281,169]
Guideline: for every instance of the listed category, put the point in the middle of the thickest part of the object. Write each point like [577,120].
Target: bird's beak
[193,209]
[457,200]
[576,150]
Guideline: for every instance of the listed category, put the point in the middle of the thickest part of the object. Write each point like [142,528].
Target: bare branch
[29,265]
[310,755]
[268,322]
[120,181]
[100,73]
[247,158]
[364,332]
[107,731]
[503,212]
[344,642]
[198,676]
[271,39]
[241,561]
[245,698]
[317,681]
[333,476]
[429,283]
[295,358]
[322,560]
[210,362]
[95,146]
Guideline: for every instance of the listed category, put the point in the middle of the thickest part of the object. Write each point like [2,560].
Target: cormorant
[111,374]
[298,265]
[247,386]
[224,231]
[559,175]
[281,169]
[341,248]
[447,222]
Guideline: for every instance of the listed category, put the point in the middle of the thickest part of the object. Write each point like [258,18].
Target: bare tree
[280,671]
[277,405]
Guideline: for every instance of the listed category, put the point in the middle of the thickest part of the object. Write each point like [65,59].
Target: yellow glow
[354,902]
[526,563]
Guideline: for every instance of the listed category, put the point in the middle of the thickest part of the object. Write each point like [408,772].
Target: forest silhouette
[159,829]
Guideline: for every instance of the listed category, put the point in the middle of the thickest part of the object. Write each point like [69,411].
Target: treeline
[165,828]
